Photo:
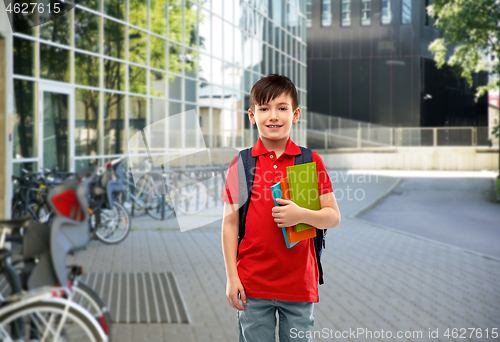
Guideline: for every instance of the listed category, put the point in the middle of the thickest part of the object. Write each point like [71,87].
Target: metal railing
[330,132]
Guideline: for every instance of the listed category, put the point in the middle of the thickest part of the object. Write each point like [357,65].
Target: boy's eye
[264,109]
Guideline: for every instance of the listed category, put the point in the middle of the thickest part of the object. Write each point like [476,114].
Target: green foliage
[496,131]
[164,55]
[472,26]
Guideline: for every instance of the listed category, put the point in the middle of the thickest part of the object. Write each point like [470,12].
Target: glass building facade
[84,83]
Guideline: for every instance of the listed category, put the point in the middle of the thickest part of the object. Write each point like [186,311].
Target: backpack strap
[304,157]
[319,240]
[246,175]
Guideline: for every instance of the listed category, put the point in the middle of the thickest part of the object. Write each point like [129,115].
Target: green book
[303,185]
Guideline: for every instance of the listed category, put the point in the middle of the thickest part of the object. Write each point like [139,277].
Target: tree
[473,26]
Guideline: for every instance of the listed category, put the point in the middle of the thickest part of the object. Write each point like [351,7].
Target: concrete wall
[413,158]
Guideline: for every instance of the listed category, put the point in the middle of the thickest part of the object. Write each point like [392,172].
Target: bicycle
[190,194]
[65,201]
[149,198]
[30,196]
[21,316]
[160,195]
[109,220]
[82,294]
[158,201]
[40,316]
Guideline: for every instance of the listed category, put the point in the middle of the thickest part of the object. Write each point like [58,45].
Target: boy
[267,276]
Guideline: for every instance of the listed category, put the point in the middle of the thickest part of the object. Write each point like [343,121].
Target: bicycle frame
[147,184]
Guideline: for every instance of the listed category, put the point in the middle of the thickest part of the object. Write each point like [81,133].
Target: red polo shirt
[267,269]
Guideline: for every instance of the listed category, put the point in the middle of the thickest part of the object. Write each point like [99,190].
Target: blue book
[276,191]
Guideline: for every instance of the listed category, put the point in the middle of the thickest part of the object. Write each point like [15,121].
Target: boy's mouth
[274,126]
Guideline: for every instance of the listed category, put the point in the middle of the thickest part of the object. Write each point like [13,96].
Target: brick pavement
[376,278]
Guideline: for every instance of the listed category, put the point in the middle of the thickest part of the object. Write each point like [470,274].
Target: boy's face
[274,119]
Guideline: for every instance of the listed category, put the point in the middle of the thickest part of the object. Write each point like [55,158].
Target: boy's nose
[274,115]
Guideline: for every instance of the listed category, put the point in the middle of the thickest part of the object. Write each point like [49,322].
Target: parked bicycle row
[109,220]
[42,298]
[163,193]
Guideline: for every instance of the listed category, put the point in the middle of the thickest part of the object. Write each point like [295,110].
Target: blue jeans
[257,323]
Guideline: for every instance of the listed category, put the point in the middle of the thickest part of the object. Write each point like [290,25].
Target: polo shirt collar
[291,148]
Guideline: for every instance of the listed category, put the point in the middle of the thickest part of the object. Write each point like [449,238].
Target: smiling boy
[261,271]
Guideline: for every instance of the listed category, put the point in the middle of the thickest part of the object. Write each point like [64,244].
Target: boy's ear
[296,115]
[251,116]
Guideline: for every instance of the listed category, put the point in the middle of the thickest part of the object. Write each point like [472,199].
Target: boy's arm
[327,217]
[230,225]
[289,214]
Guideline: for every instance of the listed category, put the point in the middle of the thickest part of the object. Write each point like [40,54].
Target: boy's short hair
[270,87]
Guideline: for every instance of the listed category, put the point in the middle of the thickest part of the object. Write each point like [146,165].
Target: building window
[386,12]
[309,13]
[326,15]
[406,12]
[346,12]
[426,13]
[366,12]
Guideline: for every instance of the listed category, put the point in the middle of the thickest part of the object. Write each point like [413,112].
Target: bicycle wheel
[51,320]
[139,205]
[115,224]
[130,201]
[85,296]
[190,197]
[158,203]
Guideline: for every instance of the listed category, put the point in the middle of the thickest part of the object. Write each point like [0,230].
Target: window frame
[308,13]
[363,11]
[342,13]
[382,12]
[402,12]
[323,13]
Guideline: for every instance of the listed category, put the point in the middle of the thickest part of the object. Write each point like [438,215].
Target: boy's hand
[234,287]
[288,214]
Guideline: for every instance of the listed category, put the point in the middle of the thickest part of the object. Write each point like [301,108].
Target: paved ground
[451,207]
[376,278]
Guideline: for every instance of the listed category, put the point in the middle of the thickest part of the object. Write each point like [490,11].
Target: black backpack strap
[245,177]
[304,157]
[319,240]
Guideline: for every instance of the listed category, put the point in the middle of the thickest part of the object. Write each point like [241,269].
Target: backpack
[246,176]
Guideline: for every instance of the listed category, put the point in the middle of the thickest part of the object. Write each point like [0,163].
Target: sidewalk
[375,278]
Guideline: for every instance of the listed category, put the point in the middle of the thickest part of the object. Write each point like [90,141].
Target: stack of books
[301,187]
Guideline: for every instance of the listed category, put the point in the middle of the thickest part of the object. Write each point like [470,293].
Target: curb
[372,204]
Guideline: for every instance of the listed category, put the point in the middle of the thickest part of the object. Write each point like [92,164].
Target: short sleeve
[230,192]
[324,182]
